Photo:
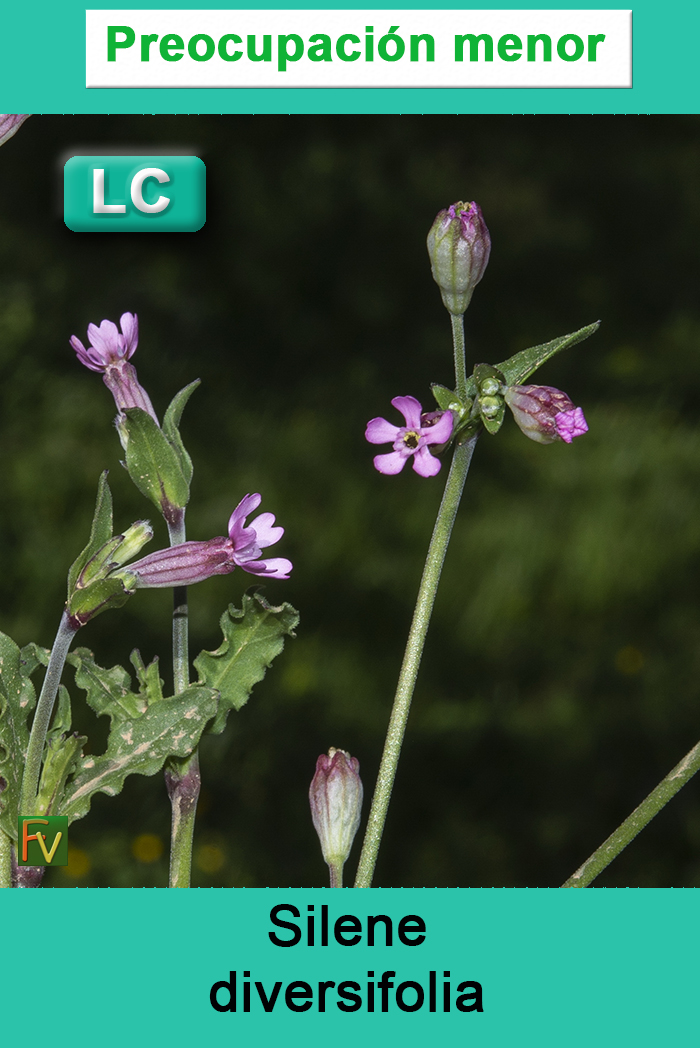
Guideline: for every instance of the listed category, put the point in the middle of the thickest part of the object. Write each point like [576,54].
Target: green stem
[5,860]
[336,871]
[635,823]
[182,777]
[42,717]
[459,355]
[439,542]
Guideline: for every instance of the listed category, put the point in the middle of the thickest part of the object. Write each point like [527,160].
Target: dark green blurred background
[560,680]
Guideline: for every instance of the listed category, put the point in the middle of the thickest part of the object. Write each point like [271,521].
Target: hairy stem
[182,777]
[42,716]
[419,627]
[635,823]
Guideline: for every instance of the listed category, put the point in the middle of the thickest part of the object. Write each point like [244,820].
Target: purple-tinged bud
[545,414]
[459,246]
[10,124]
[335,796]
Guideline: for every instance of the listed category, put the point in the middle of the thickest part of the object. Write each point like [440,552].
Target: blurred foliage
[560,680]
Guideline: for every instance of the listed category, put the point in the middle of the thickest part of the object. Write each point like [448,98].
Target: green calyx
[92,585]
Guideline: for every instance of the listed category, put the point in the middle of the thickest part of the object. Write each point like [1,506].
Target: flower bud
[335,796]
[459,246]
[545,414]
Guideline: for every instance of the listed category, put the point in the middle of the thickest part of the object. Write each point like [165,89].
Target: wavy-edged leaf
[108,690]
[61,755]
[17,700]
[171,424]
[100,533]
[138,745]
[253,637]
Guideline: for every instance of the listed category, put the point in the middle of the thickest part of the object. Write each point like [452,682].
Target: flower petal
[266,534]
[425,464]
[571,424]
[273,568]
[441,432]
[379,431]
[129,324]
[390,464]
[410,409]
[247,504]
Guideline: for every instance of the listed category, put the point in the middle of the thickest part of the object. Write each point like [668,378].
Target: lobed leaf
[253,637]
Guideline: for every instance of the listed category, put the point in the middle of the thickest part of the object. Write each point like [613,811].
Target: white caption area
[329,48]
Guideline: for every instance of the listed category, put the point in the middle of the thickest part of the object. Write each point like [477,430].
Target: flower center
[411,439]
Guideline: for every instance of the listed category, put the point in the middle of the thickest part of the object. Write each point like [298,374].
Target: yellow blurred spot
[629,660]
[209,858]
[79,864]
[147,847]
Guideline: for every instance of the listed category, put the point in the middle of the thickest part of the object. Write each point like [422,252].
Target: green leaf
[253,637]
[31,656]
[61,756]
[108,690]
[519,367]
[153,465]
[17,699]
[145,730]
[100,533]
[171,423]
[447,399]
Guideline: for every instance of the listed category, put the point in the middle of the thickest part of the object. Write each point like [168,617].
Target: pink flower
[191,562]
[411,440]
[109,352]
[545,414]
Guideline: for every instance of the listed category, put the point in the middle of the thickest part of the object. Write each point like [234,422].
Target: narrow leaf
[153,464]
[108,690]
[171,424]
[253,637]
[519,367]
[100,533]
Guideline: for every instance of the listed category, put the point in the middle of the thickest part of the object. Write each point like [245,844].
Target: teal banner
[490,968]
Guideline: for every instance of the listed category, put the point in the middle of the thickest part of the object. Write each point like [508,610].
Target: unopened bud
[545,414]
[459,246]
[335,796]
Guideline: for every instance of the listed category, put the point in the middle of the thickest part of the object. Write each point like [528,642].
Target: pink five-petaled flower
[109,352]
[412,439]
[545,414]
[191,562]
[10,124]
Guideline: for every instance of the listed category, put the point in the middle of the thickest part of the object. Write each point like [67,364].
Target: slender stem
[5,860]
[42,717]
[460,359]
[635,823]
[336,871]
[182,777]
[411,661]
